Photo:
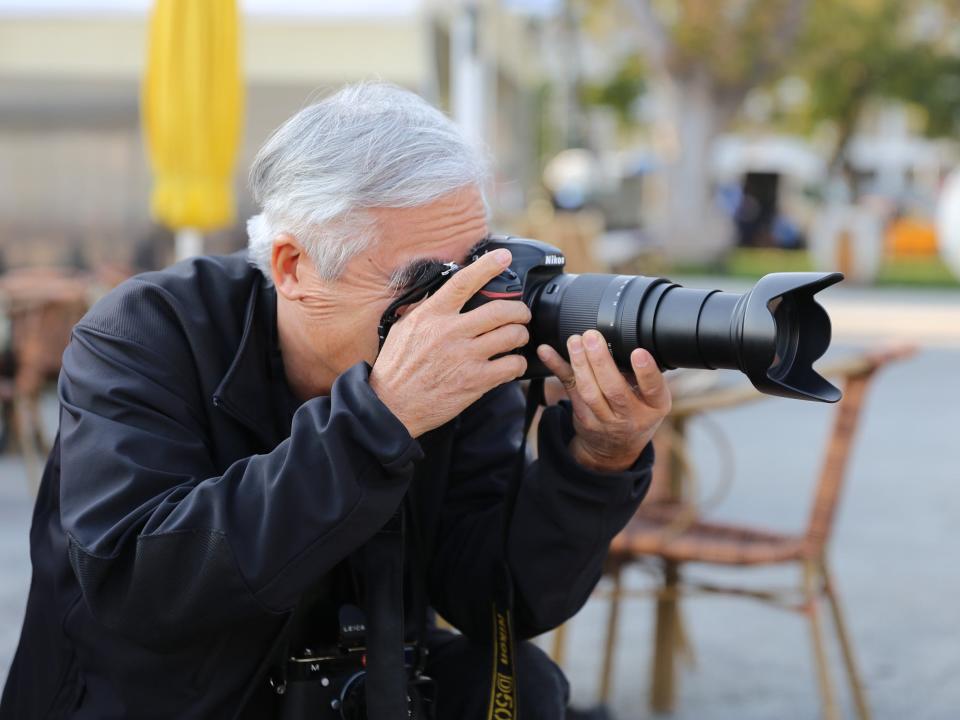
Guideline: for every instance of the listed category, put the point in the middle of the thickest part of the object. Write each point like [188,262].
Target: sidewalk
[929,318]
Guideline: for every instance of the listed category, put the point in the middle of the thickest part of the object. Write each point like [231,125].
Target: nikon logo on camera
[553,260]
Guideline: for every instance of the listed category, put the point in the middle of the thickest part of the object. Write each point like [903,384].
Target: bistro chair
[673,534]
[41,306]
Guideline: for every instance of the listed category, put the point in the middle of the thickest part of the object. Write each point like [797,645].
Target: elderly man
[233,442]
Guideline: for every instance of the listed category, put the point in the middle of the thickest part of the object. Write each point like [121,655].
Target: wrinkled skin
[436,360]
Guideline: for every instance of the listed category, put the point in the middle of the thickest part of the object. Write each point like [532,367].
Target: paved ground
[895,549]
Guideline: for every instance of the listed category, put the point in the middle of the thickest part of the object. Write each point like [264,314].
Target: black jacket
[179,521]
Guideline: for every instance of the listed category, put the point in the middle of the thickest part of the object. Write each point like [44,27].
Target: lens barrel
[772,333]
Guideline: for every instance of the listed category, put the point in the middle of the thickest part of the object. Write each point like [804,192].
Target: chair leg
[8,434]
[36,425]
[27,440]
[853,674]
[559,651]
[684,646]
[812,599]
[663,678]
[610,646]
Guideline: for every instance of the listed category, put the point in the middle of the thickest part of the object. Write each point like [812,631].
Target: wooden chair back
[855,376]
[42,305]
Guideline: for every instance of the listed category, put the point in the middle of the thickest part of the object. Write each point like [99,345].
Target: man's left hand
[613,420]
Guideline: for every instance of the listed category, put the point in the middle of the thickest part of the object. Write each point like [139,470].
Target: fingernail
[641,359]
[575,344]
[592,341]
[542,352]
[502,256]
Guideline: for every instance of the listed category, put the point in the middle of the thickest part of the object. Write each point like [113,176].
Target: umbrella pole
[189,242]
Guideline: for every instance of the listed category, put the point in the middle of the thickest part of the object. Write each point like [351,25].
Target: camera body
[531,270]
[773,333]
[330,681]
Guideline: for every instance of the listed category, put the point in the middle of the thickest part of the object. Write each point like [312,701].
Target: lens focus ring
[581,304]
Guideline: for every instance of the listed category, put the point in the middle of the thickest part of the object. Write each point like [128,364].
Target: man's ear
[285,266]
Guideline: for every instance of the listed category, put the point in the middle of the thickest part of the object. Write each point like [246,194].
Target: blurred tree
[703,58]
[700,59]
[853,52]
[620,92]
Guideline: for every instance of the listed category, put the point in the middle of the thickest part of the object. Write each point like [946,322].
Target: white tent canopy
[734,155]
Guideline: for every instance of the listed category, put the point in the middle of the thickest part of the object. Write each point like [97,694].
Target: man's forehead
[443,230]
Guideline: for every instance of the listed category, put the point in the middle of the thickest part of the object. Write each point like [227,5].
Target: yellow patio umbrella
[192,106]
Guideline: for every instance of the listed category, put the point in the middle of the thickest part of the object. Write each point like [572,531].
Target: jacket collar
[245,392]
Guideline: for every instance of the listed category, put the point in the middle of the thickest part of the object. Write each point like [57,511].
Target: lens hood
[784,331]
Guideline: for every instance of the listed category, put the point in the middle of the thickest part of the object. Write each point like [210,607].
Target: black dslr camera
[329,682]
[772,333]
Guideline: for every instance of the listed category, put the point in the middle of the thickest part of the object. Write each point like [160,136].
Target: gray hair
[372,145]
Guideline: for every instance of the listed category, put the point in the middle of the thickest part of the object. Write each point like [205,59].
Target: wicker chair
[672,533]
[42,305]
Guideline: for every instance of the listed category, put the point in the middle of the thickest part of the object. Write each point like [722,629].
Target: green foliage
[621,91]
[930,80]
[852,51]
[849,52]
[922,272]
[737,42]
[728,46]
[757,262]
[754,263]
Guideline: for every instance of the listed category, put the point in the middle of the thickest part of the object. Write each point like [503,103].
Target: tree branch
[782,38]
[654,36]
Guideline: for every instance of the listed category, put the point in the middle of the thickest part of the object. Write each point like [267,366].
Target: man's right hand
[436,360]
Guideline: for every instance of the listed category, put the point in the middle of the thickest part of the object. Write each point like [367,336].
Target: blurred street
[893,552]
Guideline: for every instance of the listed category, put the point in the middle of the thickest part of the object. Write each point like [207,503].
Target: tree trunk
[692,228]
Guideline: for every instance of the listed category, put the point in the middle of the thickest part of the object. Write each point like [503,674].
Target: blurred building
[74,181]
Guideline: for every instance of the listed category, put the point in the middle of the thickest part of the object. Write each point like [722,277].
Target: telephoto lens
[772,333]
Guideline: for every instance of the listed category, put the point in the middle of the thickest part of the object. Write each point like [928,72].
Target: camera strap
[504,688]
[428,276]
[386,682]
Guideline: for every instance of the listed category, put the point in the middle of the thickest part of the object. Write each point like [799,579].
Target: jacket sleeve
[564,520]
[164,545]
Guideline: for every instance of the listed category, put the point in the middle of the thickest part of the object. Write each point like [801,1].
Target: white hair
[372,145]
